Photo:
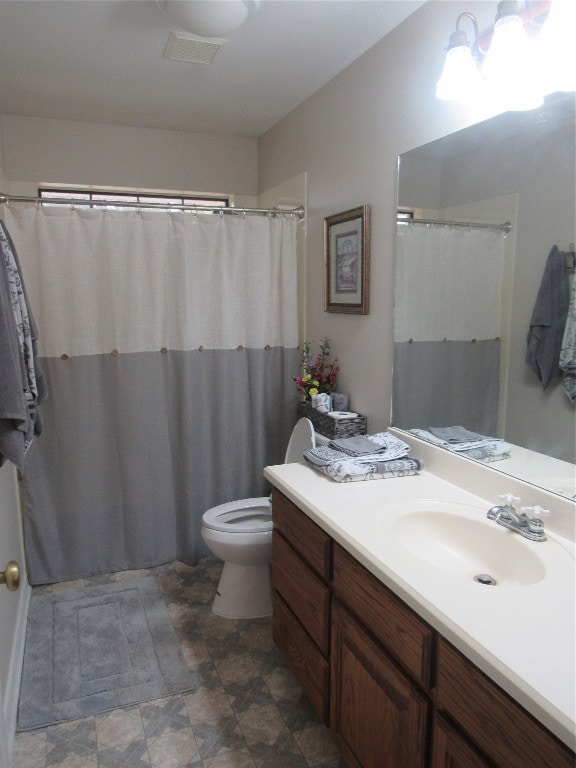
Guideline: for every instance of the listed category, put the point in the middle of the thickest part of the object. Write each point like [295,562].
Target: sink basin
[460,540]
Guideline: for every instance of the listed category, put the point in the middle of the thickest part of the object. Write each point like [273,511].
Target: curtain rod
[74,202]
[505,227]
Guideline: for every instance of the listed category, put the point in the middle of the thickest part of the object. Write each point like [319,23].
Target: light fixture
[460,77]
[556,56]
[510,67]
[209,18]
[517,67]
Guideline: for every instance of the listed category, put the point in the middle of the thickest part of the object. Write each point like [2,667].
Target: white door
[13,612]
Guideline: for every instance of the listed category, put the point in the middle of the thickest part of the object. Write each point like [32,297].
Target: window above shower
[161,202]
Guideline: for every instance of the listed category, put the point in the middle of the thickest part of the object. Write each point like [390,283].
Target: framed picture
[346,261]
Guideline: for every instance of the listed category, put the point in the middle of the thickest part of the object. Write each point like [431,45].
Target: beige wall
[68,152]
[347,138]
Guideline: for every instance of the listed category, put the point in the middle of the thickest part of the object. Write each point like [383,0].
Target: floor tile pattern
[247,710]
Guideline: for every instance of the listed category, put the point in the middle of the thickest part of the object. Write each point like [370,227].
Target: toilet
[240,533]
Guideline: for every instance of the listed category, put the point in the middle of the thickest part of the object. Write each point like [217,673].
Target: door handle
[11,576]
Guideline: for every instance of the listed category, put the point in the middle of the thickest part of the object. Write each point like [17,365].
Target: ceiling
[101,61]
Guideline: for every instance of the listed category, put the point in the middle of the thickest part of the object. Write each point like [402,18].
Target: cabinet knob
[11,576]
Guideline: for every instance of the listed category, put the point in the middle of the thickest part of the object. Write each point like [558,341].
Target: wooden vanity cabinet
[395,693]
[301,571]
[450,749]
[492,720]
[381,664]
[378,717]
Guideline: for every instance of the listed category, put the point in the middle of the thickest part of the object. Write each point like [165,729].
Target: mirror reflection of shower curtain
[168,343]
[447,328]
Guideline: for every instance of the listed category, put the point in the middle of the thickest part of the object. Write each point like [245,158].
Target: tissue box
[329,427]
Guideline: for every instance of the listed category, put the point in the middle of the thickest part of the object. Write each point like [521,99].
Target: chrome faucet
[526,522]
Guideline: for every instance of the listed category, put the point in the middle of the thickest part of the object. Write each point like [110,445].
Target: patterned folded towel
[382,445]
[389,458]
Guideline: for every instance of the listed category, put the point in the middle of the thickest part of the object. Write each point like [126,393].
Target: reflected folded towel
[486,449]
[455,434]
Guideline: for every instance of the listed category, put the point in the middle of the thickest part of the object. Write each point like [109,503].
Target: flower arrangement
[319,374]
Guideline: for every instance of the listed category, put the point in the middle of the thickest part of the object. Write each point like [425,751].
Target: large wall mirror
[465,294]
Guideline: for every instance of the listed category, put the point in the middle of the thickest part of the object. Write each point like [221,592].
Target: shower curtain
[168,342]
[447,328]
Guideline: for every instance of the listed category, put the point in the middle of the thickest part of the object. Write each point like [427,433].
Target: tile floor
[247,712]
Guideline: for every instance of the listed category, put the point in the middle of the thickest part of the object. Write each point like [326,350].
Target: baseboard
[12,692]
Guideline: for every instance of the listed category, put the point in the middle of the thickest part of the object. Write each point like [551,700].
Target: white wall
[347,138]
[68,152]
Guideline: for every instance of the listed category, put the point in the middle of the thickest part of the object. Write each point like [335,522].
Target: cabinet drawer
[393,624]
[495,722]
[307,538]
[306,662]
[302,590]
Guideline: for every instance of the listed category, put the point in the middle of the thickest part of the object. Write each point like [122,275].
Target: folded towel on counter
[382,445]
[390,459]
[455,434]
[358,445]
[486,449]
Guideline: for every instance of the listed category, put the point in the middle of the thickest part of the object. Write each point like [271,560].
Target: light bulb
[460,79]
[510,67]
[556,55]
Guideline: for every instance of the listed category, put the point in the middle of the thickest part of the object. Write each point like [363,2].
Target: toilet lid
[245,516]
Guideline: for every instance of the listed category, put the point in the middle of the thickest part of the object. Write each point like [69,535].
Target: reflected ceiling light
[518,68]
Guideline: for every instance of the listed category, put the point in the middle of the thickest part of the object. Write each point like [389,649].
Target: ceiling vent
[182,46]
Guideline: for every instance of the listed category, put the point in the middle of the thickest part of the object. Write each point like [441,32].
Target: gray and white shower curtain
[447,328]
[168,342]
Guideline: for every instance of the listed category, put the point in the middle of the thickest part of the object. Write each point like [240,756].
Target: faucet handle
[510,499]
[535,512]
[533,521]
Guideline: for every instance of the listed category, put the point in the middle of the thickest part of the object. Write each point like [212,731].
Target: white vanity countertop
[523,636]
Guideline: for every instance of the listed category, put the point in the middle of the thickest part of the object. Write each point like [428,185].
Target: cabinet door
[378,716]
[452,750]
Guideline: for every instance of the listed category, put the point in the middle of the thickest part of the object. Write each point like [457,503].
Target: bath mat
[98,648]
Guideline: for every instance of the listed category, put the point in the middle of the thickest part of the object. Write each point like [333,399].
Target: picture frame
[347,261]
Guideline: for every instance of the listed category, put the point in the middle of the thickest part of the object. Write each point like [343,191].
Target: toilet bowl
[240,534]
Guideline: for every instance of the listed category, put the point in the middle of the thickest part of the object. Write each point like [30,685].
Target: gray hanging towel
[22,384]
[549,320]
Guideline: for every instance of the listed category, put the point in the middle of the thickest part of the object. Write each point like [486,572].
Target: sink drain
[485,578]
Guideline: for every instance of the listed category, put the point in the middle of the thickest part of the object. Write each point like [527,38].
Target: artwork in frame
[346,261]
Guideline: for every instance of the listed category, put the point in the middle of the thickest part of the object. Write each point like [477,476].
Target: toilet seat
[245,516]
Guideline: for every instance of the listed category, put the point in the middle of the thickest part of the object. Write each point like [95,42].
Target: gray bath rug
[98,648]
